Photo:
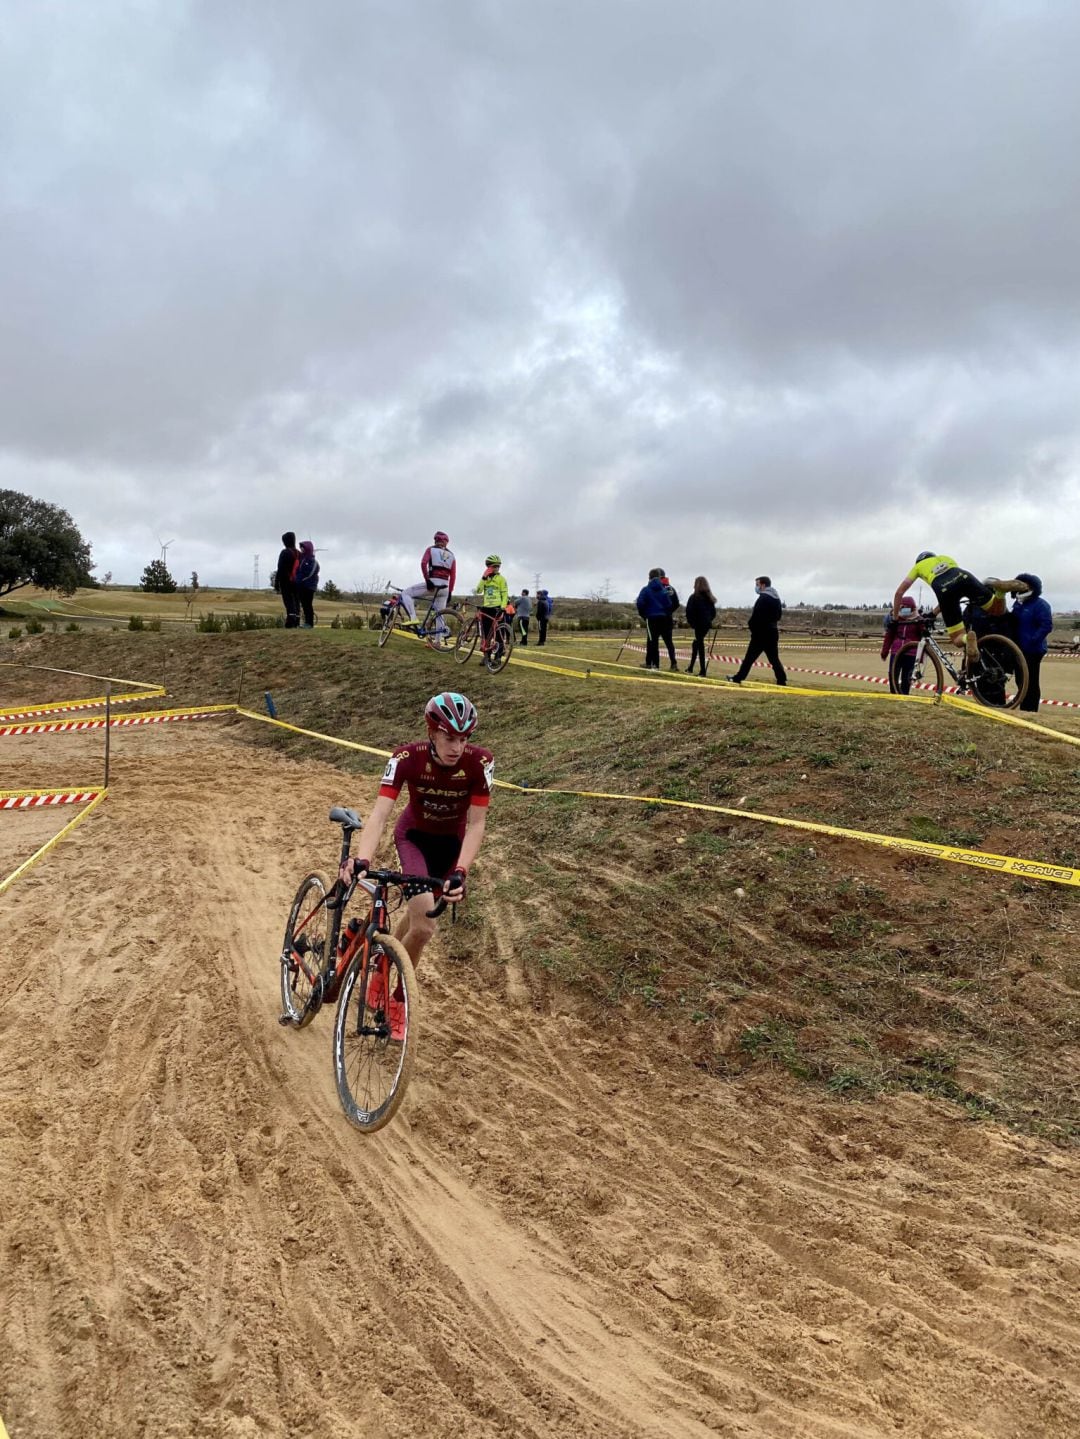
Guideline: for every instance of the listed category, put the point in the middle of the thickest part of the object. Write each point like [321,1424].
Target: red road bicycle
[495,637]
[366,970]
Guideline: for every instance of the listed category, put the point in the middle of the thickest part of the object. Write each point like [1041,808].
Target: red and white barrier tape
[846,675]
[37,800]
[120,722]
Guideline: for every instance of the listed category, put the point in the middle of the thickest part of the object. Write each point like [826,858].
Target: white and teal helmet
[452,713]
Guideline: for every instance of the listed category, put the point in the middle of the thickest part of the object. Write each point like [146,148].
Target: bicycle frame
[928,641]
[424,626]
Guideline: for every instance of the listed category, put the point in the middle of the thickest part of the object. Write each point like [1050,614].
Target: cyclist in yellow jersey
[494,597]
[952,585]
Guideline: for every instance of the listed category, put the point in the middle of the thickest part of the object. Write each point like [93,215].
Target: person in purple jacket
[1034,620]
[898,633]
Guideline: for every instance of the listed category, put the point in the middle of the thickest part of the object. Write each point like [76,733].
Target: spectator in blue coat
[307,582]
[544,606]
[1034,621]
[656,604]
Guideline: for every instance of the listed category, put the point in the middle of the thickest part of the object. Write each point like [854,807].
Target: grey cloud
[602,274]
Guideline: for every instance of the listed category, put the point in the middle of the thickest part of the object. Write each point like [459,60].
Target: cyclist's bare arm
[370,835]
[901,591]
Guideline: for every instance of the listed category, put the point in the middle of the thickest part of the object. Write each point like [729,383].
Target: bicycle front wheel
[1001,679]
[924,673]
[389,620]
[375,1034]
[304,949]
[466,641]
[500,649]
[445,632]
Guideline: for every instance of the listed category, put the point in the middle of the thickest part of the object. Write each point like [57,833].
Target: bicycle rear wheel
[1001,680]
[467,640]
[443,643]
[389,621]
[926,672]
[500,649]
[375,1034]
[304,949]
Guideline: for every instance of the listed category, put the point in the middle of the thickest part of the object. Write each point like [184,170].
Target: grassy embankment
[846,965]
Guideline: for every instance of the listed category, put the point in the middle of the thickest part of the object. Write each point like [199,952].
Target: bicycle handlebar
[374,879]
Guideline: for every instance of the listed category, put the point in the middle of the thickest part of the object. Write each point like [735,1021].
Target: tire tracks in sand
[567,1231]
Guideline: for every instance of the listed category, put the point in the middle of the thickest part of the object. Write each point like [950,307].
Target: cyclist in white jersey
[439,568]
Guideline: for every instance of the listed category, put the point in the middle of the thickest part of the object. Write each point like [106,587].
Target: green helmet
[493,560]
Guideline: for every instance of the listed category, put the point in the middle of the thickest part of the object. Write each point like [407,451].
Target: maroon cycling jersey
[440,796]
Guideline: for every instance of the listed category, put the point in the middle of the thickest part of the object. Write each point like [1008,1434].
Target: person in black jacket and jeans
[764,632]
[285,579]
[700,613]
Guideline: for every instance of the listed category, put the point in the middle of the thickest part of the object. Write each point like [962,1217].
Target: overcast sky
[599,284]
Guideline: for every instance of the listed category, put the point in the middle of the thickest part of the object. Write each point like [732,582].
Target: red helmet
[452,713]
[441,538]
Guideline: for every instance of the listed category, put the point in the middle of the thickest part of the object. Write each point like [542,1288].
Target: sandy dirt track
[567,1231]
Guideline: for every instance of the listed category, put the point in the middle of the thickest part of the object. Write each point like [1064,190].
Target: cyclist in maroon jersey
[440,831]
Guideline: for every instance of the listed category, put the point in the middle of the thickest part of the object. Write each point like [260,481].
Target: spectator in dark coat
[655,606]
[700,614]
[285,580]
[1034,621]
[307,582]
[764,630]
[543,614]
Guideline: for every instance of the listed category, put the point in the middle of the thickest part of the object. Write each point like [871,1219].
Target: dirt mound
[569,1230]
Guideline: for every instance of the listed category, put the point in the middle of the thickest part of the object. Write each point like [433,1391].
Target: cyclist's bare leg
[417,929]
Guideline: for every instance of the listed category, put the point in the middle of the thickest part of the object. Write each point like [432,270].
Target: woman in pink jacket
[898,633]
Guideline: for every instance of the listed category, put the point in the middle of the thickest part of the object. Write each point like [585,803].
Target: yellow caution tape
[978,859]
[314,734]
[1007,717]
[59,706]
[52,843]
[81,674]
[747,687]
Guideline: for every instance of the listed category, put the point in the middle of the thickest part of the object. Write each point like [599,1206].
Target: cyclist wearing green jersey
[952,585]
[494,598]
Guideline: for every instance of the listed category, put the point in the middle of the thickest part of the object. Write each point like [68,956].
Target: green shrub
[14,632]
[34,627]
[71,628]
[209,624]
[136,622]
[155,625]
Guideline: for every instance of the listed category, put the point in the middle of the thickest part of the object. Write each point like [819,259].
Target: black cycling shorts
[955,586]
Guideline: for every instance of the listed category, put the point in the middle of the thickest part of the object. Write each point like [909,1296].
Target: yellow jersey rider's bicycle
[998,678]
[439,629]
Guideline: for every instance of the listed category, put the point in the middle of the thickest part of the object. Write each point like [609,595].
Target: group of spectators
[296,579]
[522,606]
[658,601]
[1028,622]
